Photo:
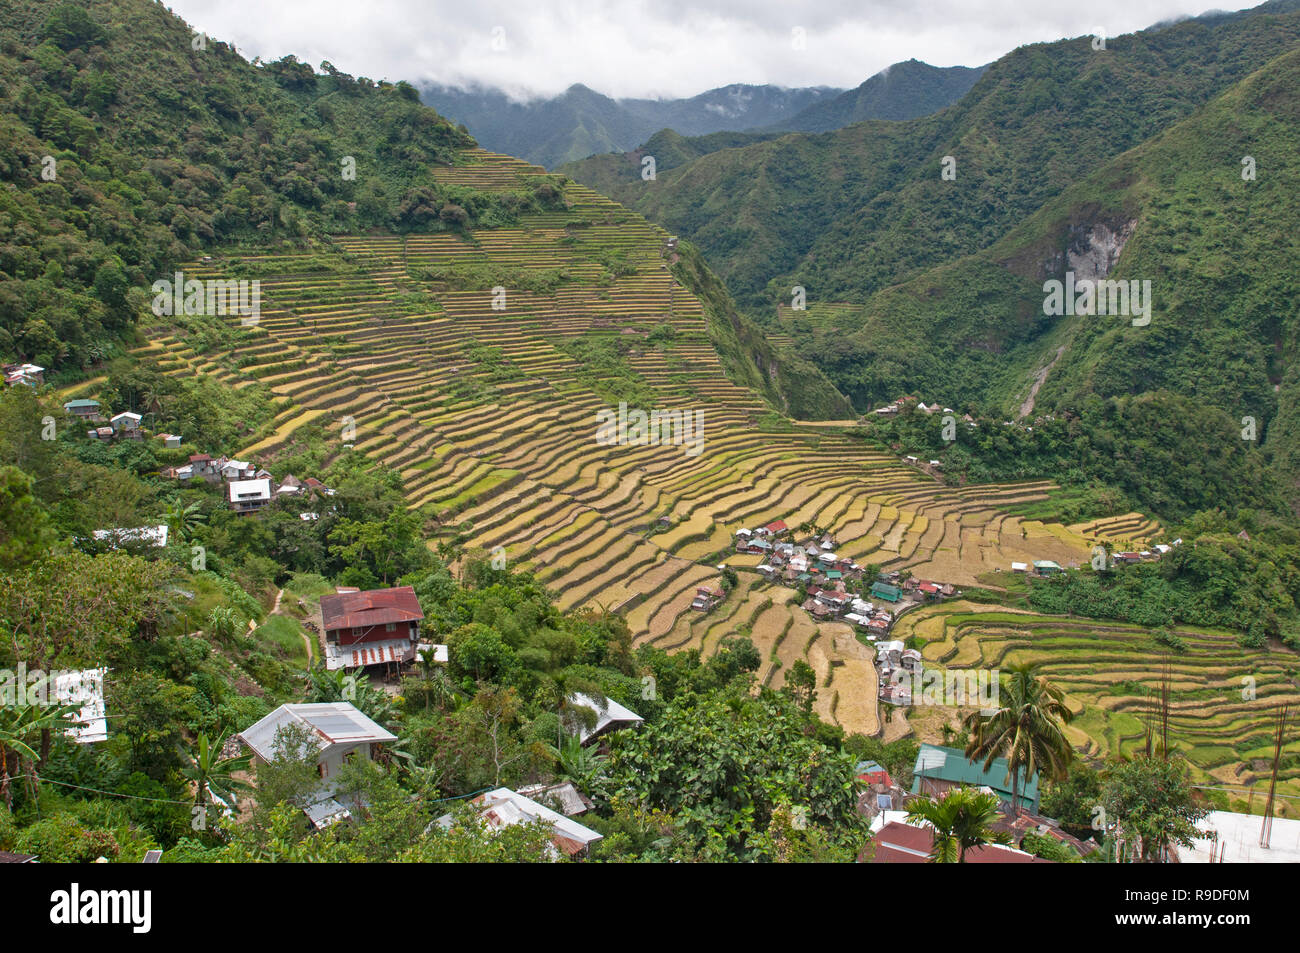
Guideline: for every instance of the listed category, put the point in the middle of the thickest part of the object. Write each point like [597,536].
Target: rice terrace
[400,346]
[587,433]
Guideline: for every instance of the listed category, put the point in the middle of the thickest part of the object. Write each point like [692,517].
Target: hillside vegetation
[1039,118]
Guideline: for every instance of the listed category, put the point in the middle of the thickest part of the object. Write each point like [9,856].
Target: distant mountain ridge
[905,90]
[581,122]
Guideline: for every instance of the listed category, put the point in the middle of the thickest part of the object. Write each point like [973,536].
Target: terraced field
[1222,695]
[399,346]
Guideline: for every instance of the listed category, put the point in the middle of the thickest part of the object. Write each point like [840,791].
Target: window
[356,633]
[391,627]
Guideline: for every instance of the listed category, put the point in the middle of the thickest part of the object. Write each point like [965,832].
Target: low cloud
[665,48]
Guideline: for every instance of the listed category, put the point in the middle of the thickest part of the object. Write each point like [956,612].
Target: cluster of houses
[360,630]
[123,426]
[1047,567]
[28,375]
[706,598]
[898,840]
[824,576]
[891,659]
[899,405]
[248,487]
[792,564]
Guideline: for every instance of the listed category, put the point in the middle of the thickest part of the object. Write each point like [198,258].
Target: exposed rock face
[1094,249]
[1091,251]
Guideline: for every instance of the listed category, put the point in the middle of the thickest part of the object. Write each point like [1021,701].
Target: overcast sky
[656,47]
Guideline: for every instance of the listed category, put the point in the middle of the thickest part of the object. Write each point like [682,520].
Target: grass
[282,633]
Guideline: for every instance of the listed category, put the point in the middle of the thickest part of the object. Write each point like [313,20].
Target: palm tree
[961,819]
[339,686]
[213,775]
[182,520]
[577,763]
[434,684]
[20,724]
[1028,729]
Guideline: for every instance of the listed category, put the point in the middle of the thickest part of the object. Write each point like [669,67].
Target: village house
[29,375]
[83,409]
[249,496]
[706,597]
[896,841]
[203,466]
[231,470]
[883,590]
[127,424]
[561,796]
[376,627]
[610,716]
[503,808]
[170,440]
[339,731]
[939,769]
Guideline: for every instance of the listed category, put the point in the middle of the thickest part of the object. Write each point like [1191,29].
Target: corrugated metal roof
[504,807]
[949,764]
[608,712]
[358,610]
[334,723]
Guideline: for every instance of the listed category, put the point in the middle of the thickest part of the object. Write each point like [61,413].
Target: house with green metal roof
[1047,567]
[883,590]
[82,407]
[937,769]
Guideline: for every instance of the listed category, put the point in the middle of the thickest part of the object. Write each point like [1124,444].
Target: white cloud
[657,48]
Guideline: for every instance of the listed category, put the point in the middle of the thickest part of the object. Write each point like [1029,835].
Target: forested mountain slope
[849,212]
[130,143]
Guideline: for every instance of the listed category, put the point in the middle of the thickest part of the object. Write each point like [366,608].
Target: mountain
[1212,378]
[581,122]
[194,148]
[1066,159]
[905,90]
[446,339]
[846,213]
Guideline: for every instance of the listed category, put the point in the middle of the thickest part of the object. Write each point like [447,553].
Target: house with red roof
[901,843]
[374,627]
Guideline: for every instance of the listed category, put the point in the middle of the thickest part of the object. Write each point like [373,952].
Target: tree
[181,519]
[577,762]
[433,684]
[22,722]
[1150,801]
[721,764]
[1027,730]
[212,775]
[25,533]
[801,683]
[961,819]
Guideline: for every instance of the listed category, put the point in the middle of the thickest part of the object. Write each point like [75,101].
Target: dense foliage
[128,143]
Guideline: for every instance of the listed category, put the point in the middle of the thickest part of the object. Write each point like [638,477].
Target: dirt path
[275,610]
[1027,407]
